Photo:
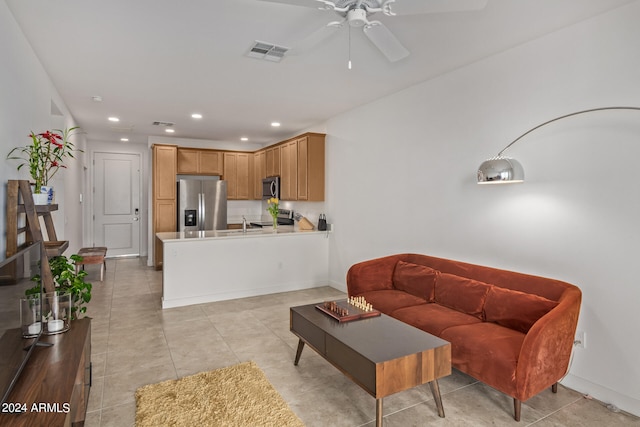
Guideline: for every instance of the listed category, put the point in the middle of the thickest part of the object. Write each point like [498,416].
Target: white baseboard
[603,394]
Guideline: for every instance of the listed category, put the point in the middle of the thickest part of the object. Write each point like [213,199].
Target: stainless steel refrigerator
[202,204]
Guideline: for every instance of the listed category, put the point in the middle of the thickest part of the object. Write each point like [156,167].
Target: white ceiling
[161,60]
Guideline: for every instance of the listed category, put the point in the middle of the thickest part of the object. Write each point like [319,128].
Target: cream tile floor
[136,343]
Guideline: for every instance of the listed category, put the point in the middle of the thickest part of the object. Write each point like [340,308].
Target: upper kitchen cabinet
[200,162]
[272,160]
[289,170]
[237,173]
[259,172]
[310,151]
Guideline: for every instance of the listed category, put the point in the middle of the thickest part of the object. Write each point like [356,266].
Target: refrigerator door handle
[203,214]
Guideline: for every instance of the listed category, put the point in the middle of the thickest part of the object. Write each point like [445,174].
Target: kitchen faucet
[244,224]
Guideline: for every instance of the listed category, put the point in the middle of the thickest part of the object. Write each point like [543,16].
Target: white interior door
[116,206]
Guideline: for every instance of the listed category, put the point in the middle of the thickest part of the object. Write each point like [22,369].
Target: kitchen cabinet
[310,170]
[200,162]
[259,173]
[164,194]
[289,170]
[237,173]
[272,160]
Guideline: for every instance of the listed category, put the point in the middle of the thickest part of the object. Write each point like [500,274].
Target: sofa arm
[546,350]
[371,275]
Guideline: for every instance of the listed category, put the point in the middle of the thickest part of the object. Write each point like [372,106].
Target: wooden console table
[56,380]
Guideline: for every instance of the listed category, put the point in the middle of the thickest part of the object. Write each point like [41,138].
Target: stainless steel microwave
[271,187]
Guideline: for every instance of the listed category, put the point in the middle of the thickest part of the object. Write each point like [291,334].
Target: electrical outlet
[581,339]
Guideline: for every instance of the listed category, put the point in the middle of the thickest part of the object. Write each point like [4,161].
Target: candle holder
[30,316]
[56,309]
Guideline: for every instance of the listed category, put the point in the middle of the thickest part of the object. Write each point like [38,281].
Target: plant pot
[49,192]
[40,198]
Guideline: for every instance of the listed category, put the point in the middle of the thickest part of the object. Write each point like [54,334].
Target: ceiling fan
[356,14]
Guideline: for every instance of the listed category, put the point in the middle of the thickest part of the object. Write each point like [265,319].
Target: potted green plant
[45,156]
[67,280]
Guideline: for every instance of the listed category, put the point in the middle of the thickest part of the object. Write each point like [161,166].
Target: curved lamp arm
[502,169]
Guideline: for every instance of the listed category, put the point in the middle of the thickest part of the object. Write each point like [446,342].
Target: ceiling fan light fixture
[357,18]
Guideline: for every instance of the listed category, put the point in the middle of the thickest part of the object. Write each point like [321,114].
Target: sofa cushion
[486,351]
[388,300]
[461,293]
[514,309]
[418,280]
[433,318]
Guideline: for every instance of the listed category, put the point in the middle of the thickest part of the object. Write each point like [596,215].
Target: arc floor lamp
[503,170]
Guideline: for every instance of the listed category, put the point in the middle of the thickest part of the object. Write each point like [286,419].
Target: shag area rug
[239,395]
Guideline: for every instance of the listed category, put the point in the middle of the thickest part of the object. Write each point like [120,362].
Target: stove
[285,217]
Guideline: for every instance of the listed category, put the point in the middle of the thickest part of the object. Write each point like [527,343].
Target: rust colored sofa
[512,331]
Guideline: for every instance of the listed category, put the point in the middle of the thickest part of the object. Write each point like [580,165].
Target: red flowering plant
[46,154]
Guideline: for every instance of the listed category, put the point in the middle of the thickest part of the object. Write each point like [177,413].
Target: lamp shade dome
[500,170]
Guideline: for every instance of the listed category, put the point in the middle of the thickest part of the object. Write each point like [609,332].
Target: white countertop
[283,230]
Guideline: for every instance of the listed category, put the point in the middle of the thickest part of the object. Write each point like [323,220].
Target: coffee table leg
[379,412]
[298,352]
[435,390]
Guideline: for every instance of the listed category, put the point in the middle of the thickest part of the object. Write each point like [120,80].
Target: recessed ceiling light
[124,139]
[97,98]
[114,119]
[169,130]
[196,116]
[275,124]
[244,138]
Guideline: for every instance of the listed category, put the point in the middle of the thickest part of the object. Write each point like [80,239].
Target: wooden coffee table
[380,354]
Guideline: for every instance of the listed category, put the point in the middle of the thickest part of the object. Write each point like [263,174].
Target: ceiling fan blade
[317,37]
[316,4]
[384,40]
[414,7]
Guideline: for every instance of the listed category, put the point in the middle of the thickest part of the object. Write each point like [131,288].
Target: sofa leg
[516,409]
[554,388]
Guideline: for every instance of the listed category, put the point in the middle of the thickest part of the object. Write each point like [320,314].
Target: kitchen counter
[207,266]
[283,231]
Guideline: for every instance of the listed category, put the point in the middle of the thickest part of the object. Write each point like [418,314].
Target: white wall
[26,96]
[402,178]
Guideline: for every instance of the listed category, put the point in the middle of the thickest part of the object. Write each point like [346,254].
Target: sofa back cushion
[514,309]
[417,280]
[461,293]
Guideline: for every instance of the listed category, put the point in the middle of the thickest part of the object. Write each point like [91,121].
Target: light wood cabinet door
[199,162]
[303,191]
[311,165]
[289,170]
[210,163]
[242,176]
[187,161]
[164,172]
[272,161]
[237,173]
[259,173]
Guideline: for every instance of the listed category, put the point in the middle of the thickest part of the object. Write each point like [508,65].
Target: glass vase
[275,223]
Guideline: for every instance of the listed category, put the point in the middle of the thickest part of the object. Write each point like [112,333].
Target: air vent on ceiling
[268,51]
[167,124]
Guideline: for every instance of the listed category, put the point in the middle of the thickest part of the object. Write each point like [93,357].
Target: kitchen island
[206,266]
